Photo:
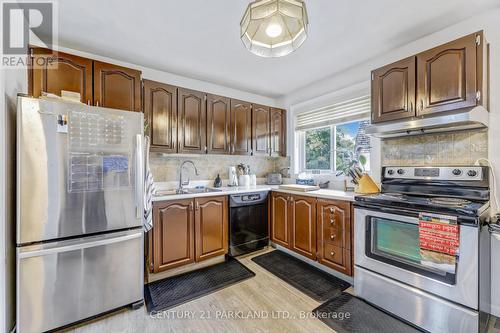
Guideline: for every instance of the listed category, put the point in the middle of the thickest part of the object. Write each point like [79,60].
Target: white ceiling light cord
[493,189]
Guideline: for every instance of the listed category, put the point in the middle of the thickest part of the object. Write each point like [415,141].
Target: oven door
[387,243]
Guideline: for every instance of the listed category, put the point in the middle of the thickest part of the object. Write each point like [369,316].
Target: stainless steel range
[390,269]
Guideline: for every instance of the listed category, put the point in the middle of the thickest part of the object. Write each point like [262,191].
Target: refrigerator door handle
[80,246]
[139,176]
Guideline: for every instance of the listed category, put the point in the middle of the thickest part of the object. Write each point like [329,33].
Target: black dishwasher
[248,225]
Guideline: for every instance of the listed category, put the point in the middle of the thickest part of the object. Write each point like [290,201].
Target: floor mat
[310,280]
[362,317]
[173,291]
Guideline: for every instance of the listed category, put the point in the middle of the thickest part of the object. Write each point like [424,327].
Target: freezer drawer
[63,282]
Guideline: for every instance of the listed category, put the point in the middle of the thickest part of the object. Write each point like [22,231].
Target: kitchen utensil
[233,177]
[244,180]
[253,180]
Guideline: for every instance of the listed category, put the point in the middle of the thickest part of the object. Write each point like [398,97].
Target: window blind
[353,109]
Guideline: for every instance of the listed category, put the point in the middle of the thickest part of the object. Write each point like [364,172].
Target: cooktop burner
[423,203]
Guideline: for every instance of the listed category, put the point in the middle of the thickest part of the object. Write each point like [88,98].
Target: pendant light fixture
[274,28]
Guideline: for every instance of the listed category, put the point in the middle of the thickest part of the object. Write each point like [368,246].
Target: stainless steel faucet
[181,182]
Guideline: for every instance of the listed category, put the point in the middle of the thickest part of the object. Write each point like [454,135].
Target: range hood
[467,118]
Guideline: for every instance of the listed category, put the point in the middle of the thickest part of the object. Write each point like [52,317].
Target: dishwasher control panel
[246,199]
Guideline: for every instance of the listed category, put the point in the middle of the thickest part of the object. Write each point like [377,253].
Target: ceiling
[200,38]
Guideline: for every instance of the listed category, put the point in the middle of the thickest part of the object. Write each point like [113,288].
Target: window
[318,148]
[331,137]
[348,141]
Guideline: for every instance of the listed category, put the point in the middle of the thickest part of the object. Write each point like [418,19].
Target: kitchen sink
[190,190]
[195,190]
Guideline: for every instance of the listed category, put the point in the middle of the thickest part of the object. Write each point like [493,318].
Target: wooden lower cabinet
[173,234]
[211,228]
[188,231]
[280,230]
[318,229]
[303,225]
[334,235]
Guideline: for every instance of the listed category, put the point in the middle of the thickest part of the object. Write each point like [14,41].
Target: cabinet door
[55,71]
[211,227]
[173,234]
[117,87]
[446,76]
[334,235]
[303,225]
[241,128]
[192,120]
[278,132]
[261,135]
[393,91]
[218,117]
[160,114]
[280,231]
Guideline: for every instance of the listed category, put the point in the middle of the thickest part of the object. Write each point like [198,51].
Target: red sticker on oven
[439,237]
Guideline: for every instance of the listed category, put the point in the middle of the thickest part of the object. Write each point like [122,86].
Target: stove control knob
[390,172]
[472,173]
[401,172]
[457,172]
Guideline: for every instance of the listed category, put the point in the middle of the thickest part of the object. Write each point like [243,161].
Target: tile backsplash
[165,167]
[452,148]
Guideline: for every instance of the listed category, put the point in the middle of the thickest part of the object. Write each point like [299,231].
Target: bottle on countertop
[217,181]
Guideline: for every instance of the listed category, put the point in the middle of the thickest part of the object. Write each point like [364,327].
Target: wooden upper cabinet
[160,113]
[303,226]
[241,128]
[261,133]
[192,120]
[218,118]
[393,91]
[279,208]
[278,132]
[53,71]
[211,227]
[447,76]
[117,87]
[334,235]
[173,234]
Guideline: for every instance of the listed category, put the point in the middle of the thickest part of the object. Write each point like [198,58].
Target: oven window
[397,243]
[395,239]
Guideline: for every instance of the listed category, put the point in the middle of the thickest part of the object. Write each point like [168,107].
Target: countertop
[322,193]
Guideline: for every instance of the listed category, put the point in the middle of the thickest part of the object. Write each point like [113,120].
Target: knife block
[366,185]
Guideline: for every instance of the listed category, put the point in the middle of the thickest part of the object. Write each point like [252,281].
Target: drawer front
[336,257]
[336,237]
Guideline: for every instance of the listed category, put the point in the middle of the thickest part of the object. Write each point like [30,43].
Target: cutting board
[299,188]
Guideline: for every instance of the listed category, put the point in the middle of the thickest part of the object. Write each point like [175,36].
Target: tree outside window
[350,143]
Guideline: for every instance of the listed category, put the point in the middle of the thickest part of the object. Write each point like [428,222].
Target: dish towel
[149,189]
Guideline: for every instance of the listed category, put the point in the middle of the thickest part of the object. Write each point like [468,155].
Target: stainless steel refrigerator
[79,212]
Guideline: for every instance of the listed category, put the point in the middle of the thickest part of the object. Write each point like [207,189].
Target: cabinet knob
[421,104]
[97,103]
[332,221]
[331,210]
[332,236]
[411,106]
[332,253]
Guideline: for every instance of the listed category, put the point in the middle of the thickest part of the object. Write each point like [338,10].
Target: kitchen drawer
[337,237]
[336,257]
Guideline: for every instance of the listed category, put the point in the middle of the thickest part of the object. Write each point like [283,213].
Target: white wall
[326,91]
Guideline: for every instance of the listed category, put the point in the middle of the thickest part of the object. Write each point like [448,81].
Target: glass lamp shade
[274,28]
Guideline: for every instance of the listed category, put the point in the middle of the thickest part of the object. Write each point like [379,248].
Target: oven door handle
[387,210]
